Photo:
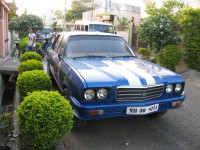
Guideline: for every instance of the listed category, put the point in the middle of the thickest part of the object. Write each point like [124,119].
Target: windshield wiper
[123,56]
[89,56]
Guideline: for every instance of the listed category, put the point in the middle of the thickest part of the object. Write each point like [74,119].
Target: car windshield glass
[101,28]
[106,46]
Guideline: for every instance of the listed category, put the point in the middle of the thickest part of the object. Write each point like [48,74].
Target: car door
[52,54]
[58,58]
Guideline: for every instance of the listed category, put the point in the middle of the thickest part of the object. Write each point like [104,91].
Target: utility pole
[92,9]
[64,22]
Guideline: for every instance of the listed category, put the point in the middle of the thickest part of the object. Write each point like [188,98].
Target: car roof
[88,33]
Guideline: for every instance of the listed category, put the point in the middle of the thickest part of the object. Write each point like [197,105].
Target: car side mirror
[59,56]
[115,32]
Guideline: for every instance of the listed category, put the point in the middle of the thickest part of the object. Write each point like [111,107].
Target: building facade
[4,40]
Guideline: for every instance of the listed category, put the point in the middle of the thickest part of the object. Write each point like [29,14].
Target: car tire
[157,115]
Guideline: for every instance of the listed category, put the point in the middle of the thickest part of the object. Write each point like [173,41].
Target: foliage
[144,52]
[171,8]
[191,36]
[123,21]
[54,24]
[23,34]
[76,11]
[12,14]
[30,65]
[24,22]
[170,57]
[36,80]
[157,31]
[44,118]
[6,139]
[59,29]
[59,14]
[30,55]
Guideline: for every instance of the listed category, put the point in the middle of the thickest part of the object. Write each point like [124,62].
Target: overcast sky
[41,7]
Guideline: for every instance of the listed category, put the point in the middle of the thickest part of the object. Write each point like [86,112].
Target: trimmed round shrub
[36,80]
[144,52]
[30,65]
[170,57]
[30,55]
[44,118]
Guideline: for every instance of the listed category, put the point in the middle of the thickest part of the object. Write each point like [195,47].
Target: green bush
[158,31]
[23,34]
[30,65]
[30,55]
[191,36]
[170,57]
[24,43]
[36,80]
[6,139]
[44,118]
[145,53]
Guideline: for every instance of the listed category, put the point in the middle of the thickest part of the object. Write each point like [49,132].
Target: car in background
[44,33]
[102,77]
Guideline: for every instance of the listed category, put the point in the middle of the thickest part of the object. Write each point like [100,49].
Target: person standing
[32,38]
[52,38]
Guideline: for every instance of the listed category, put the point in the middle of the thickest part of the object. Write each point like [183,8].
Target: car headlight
[102,93]
[89,94]
[178,88]
[169,88]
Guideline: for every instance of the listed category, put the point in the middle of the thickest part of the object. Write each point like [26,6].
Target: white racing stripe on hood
[133,67]
[131,78]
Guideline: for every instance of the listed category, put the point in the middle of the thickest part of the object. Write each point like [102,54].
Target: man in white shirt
[52,38]
[32,38]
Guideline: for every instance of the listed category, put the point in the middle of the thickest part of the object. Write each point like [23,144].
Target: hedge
[44,118]
[30,65]
[36,80]
[30,55]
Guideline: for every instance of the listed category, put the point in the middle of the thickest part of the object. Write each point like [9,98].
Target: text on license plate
[142,110]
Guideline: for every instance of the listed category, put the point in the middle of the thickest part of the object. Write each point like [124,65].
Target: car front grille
[141,93]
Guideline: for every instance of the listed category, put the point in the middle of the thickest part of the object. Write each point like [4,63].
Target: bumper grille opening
[142,93]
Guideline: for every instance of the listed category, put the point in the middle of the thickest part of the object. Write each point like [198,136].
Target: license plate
[142,110]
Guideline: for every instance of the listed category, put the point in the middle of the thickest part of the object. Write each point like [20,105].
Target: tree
[59,14]
[158,30]
[123,21]
[76,12]
[12,14]
[24,22]
[171,8]
[190,19]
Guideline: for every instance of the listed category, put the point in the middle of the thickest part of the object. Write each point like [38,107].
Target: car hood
[106,72]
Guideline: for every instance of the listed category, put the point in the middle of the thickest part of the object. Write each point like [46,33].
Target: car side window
[56,43]
[61,47]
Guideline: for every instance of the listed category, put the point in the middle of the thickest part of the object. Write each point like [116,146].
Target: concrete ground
[177,130]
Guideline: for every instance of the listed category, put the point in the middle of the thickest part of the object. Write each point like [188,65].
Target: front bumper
[119,109]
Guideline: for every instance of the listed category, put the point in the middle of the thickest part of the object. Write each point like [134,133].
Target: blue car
[102,77]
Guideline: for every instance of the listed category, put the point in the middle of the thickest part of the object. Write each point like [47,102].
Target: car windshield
[101,28]
[94,46]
